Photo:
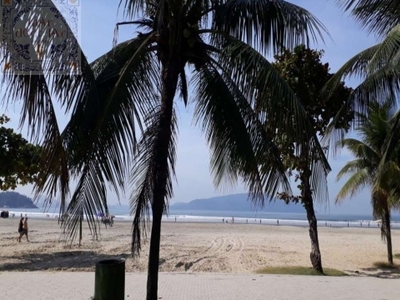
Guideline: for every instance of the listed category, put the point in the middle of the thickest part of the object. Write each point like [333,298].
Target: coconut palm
[122,108]
[374,130]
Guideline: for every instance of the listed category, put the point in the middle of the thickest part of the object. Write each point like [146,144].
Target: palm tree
[374,130]
[131,92]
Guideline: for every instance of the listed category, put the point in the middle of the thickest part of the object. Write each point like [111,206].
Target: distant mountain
[15,200]
[237,202]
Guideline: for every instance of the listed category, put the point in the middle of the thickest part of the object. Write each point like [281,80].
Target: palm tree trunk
[80,229]
[154,257]
[315,254]
[388,235]
[163,143]
[307,200]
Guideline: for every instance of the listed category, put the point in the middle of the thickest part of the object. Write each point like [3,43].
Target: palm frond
[106,125]
[239,145]
[319,182]
[361,150]
[89,198]
[102,129]
[391,145]
[354,184]
[394,202]
[267,24]
[132,8]
[378,16]
[37,91]
[59,70]
[356,66]
[183,87]
[54,163]
[387,175]
[388,51]
[266,90]
[39,114]
[144,175]
[377,87]
[353,167]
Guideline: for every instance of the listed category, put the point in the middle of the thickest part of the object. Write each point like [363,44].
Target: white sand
[196,247]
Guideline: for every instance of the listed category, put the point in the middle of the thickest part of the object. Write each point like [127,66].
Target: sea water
[238,217]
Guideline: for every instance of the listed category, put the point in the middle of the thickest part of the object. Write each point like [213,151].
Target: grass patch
[300,271]
[385,265]
[397,256]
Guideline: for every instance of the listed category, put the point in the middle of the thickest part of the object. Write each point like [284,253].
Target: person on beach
[20,229]
[25,229]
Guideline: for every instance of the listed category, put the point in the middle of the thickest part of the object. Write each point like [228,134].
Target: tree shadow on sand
[384,273]
[57,261]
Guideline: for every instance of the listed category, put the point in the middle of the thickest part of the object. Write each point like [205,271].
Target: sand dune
[197,247]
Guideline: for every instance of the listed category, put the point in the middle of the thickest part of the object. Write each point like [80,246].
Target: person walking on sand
[20,229]
[24,229]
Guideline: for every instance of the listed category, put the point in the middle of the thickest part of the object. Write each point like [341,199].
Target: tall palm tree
[374,130]
[131,92]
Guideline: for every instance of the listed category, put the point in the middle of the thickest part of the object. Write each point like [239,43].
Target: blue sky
[98,19]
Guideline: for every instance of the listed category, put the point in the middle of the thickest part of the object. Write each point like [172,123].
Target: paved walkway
[204,286]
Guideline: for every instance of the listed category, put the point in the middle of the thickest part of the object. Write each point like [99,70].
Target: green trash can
[110,280]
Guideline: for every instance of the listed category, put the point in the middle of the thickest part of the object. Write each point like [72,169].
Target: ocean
[241,217]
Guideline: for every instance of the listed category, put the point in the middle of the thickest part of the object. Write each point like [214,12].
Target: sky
[97,22]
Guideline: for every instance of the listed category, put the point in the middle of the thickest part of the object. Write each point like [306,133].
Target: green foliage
[397,255]
[18,158]
[304,72]
[368,168]
[293,270]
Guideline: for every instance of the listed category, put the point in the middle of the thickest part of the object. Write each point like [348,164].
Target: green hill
[15,200]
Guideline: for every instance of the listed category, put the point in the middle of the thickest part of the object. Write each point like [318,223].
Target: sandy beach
[195,247]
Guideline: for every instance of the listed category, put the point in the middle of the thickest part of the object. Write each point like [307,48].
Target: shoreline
[219,219]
